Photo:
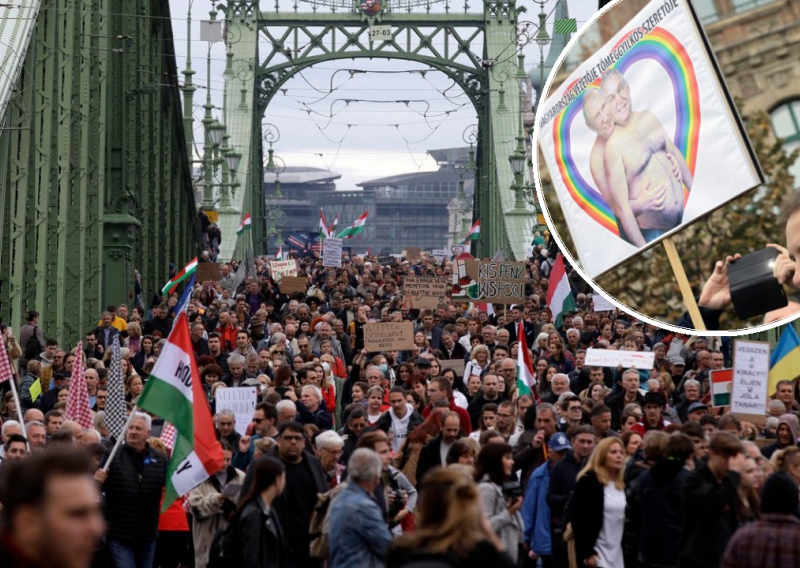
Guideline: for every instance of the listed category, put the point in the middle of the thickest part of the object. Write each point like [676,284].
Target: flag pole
[683,284]
[19,409]
[120,439]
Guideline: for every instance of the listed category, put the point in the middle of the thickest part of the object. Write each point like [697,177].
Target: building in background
[419,209]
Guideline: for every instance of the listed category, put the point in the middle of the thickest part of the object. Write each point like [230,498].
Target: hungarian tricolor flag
[174,392]
[355,228]
[332,228]
[474,233]
[526,379]
[559,294]
[246,224]
[279,254]
[183,274]
[323,227]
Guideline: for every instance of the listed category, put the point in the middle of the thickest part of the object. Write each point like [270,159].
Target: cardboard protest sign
[207,271]
[413,253]
[332,252]
[292,284]
[280,268]
[614,358]
[241,401]
[643,139]
[489,281]
[457,365]
[389,336]
[750,380]
[425,291]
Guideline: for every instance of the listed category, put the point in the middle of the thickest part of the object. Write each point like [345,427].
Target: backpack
[320,524]
[225,549]
[32,347]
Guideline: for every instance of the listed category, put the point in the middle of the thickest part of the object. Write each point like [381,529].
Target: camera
[512,490]
[754,288]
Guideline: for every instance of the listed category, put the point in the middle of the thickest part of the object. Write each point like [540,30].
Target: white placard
[440,254]
[332,252]
[750,377]
[242,401]
[280,268]
[646,110]
[601,304]
[614,358]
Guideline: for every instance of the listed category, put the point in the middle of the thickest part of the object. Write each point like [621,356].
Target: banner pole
[683,284]
[120,439]
[13,382]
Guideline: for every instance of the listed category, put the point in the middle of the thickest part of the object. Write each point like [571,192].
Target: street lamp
[233,159]
[216,130]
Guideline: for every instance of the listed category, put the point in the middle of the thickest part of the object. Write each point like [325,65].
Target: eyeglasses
[258,420]
[292,438]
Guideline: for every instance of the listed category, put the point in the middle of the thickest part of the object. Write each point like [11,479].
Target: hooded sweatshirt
[791,421]
[400,426]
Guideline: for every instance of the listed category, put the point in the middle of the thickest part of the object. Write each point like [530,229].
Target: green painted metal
[293,41]
[95,180]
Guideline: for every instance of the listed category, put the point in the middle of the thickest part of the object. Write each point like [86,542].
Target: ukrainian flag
[784,362]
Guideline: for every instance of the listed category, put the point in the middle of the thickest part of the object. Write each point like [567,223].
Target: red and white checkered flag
[6,370]
[78,407]
[168,435]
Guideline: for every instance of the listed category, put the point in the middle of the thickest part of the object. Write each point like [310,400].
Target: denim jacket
[536,512]
[359,537]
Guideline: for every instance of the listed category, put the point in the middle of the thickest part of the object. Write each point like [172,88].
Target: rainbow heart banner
[641,138]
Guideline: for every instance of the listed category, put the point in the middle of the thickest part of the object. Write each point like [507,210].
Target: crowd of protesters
[399,458]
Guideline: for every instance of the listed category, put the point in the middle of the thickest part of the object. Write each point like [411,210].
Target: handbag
[569,538]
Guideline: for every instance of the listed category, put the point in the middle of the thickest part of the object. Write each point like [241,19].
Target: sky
[362,125]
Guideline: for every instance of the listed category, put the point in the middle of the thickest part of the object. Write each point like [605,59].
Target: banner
[642,138]
[281,268]
[750,380]
[241,401]
[425,292]
[389,336]
[488,281]
[332,252]
[614,358]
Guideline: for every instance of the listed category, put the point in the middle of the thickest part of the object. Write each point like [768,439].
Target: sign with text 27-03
[750,379]
[642,138]
[488,281]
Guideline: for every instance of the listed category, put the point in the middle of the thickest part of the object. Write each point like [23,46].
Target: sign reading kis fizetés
[389,336]
[614,358]
[425,291]
[332,252]
[489,281]
[241,401]
[750,379]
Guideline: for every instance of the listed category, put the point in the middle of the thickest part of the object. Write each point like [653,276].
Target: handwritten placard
[241,401]
[389,336]
[614,358]
[425,292]
[280,268]
[457,365]
[601,304]
[292,284]
[750,379]
[489,281]
[332,252]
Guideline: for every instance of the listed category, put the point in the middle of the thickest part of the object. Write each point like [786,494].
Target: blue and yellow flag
[784,362]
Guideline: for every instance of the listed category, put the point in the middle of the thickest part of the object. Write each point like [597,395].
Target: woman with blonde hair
[134,338]
[788,461]
[450,526]
[479,360]
[598,516]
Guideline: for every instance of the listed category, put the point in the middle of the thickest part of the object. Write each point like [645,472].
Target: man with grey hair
[358,534]
[529,452]
[287,411]
[324,331]
[36,433]
[311,410]
[236,374]
[133,485]
[330,447]
[629,393]
[225,425]
[10,427]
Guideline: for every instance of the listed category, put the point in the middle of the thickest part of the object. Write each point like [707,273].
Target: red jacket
[227,336]
[463,416]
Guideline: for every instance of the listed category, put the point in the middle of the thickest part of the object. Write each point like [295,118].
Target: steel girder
[95,179]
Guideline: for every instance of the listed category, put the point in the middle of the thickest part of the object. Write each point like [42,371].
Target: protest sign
[440,254]
[413,254]
[489,281]
[425,291]
[457,365]
[601,304]
[292,284]
[750,380]
[388,336]
[241,401]
[721,386]
[207,271]
[280,268]
[332,252]
[642,360]
[672,126]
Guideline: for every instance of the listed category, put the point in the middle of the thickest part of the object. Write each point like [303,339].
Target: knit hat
[791,421]
[779,494]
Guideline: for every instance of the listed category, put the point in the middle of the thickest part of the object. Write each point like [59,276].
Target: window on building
[786,124]
[744,5]
[706,10]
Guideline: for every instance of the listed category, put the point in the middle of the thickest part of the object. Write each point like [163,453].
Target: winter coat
[588,501]
[508,527]
[562,483]
[262,538]
[207,512]
[658,500]
[408,459]
[536,513]
[25,385]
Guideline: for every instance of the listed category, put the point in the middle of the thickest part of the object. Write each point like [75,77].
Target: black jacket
[133,493]
[385,421]
[616,402]
[587,505]
[476,407]
[709,517]
[262,538]
[658,505]
[429,457]
[458,352]
[526,457]
[562,483]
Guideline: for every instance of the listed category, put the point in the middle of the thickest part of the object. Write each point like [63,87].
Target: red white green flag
[245,225]
[474,233]
[184,273]
[175,393]
[323,227]
[526,378]
[355,228]
[332,228]
[559,293]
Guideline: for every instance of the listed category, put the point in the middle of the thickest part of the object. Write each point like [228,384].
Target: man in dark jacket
[657,504]
[629,393]
[709,503]
[435,452]
[490,392]
[401,418]
[304,480]
[311,408]
[133,486]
